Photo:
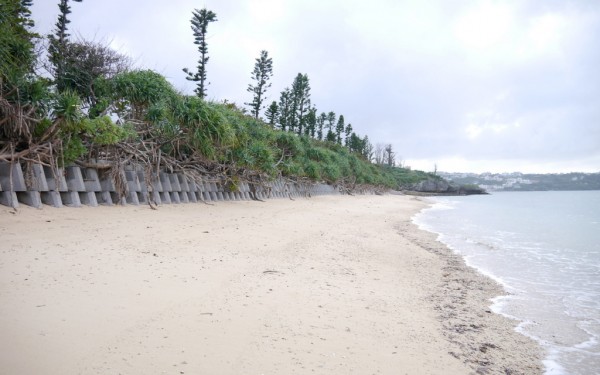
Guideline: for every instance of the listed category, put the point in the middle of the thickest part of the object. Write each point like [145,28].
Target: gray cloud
[474,85]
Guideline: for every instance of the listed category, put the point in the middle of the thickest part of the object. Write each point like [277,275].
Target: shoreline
[328,284]
[457,290]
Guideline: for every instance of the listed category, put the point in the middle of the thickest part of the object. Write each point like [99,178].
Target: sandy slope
[331,285]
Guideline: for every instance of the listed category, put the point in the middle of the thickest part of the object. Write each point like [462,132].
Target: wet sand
[344,285]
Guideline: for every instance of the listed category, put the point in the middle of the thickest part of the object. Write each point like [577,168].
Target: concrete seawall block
[206,189]
[70,198]
[30,198]
[183,182]
[106,182]
[174,182]
[165,182]
[156,184]
[74,179]
[165,197]
[143,197]
[39,182]
[132,198]
[143,193]
[192,186]
[175,197]
[88,198]
[133,182]
[18,182]
[154,196]
[9,198]
[51,198]
[91,180]
[104,198]
[183,197]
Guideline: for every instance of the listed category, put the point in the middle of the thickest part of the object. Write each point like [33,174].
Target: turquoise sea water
[544,248]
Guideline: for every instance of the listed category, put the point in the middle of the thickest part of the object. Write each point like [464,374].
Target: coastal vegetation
[64,101]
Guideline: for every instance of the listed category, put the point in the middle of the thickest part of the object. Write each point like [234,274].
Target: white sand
[330,285]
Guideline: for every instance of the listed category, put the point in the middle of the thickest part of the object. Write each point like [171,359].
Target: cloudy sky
[469,86]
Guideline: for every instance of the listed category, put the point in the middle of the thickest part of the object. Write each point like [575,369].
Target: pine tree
[272,113]
[330,136]
[354,143]
[331,121]
[263,71]
[200,20]
[347,133]
[310,121]
[58,45]
[367,148]
[320,124]
[284,109]
[300,102]
[389,156]
[339,129]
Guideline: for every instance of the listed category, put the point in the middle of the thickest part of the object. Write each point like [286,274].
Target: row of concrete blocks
[75,186]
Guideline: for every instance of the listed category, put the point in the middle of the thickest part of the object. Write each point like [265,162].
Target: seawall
[37,185]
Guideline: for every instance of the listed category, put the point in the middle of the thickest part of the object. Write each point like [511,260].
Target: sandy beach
[327,285]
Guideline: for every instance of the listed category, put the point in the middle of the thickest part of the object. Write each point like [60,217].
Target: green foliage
[142,88]
[405,177]
[133,93]
[16,40]
[77,131]
[102,131]
[67,109]
[86,69]
[73,149]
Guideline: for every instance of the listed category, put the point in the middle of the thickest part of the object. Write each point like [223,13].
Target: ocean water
[544,248]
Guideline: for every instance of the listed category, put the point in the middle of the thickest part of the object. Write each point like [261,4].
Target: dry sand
[329,285]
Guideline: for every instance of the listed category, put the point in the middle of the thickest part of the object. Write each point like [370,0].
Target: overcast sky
[469,86]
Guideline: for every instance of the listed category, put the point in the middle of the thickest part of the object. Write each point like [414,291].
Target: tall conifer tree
[58,44]
[300,102]
[339,129]
[347,133]
[272,113]
[285,109]
[263,71]
[200,20]
[310,122]
[320,124]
